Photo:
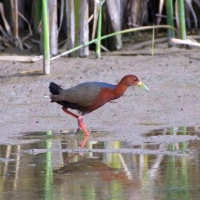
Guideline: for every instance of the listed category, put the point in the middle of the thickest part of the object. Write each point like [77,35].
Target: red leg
[70,113]
[81,125]
[82,144]
[80,120]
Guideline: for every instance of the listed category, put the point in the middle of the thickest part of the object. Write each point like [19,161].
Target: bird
[89,96]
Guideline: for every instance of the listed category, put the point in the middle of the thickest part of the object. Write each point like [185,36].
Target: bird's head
[132,80]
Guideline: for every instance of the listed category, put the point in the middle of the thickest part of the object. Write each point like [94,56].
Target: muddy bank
[172,77]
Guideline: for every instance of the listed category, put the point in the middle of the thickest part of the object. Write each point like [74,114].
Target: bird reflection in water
[97,168]
[82,144]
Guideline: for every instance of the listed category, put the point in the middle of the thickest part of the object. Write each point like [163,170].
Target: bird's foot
[77,130]
[80,121]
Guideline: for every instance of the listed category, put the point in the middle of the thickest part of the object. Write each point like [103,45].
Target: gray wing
[83,94]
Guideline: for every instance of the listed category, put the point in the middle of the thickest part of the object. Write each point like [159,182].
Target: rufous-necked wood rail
[89,96]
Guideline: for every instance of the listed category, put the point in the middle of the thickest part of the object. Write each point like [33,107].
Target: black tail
[54,88]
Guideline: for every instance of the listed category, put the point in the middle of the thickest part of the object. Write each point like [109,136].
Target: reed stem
[181,16]
[98,44]
[45,29]
[170,21]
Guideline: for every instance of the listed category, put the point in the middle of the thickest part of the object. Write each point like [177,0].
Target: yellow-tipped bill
[142,86]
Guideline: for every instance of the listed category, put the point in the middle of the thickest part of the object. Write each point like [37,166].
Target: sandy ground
[172,75]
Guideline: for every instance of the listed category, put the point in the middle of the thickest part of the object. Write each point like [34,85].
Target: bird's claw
[77,130]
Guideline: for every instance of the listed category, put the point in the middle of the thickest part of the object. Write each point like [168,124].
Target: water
[53,166]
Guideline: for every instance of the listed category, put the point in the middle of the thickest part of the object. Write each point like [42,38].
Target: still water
[66,167]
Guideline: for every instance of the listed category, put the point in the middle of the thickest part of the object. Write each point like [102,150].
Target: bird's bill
[142,86]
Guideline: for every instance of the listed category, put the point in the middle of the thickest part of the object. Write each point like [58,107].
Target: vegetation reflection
[56,167]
